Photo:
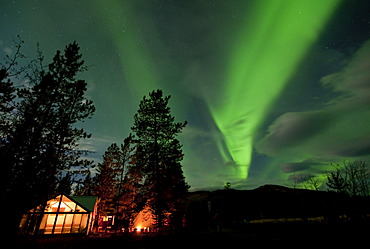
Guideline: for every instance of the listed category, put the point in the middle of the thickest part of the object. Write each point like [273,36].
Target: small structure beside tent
[143,222]
[61,215]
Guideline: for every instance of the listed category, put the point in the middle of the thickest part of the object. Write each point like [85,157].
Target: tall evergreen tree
[107,180]
[43,140]
[128,201]
[116,184]
[64,183]
[85,186]
[7,95]
[9,69]
[158,155]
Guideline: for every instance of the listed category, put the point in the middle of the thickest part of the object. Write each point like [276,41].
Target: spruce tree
[107,180]
[116,184]
[7,95]
[43,139]
[85,186]
[158,155]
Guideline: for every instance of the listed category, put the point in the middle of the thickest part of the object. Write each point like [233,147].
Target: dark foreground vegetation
[269,215]
[287,234]
[42,108]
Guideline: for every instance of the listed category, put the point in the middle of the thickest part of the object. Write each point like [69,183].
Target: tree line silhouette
[40,109]
[145,171]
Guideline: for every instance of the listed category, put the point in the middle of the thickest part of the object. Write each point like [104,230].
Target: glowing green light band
[275,38]
[138,67]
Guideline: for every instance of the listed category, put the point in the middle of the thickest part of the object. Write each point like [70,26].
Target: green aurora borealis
[270,88]
[134,56]
[257,74]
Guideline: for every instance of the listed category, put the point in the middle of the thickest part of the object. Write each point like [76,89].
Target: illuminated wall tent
[61,215]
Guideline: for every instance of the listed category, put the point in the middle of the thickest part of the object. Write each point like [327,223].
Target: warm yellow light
[56,204]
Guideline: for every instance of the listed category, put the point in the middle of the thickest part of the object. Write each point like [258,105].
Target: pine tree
[107,180]
[9,69]
[43,140]
[129,201]
[64,183]
[7,95]
[86,185]
[158,155]
[116,184]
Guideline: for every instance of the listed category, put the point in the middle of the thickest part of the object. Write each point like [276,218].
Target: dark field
[248,236]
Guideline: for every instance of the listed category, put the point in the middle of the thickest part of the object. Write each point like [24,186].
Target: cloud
[355,77]
[356,147]
[295,167]
[96,146]
[293,129]
[340,129]
[202,164]
[308,165]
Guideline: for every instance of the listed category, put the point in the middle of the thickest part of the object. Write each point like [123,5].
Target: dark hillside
[271,203]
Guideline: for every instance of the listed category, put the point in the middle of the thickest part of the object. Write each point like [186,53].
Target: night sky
[271,89]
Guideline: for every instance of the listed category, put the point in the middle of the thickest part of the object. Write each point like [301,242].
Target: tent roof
[144,219]
[88,202]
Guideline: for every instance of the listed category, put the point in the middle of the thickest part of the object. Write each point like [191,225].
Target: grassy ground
[287,235]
